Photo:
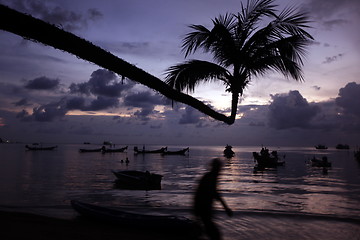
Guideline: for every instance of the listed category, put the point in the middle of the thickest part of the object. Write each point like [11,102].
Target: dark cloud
[100,103]
[291,111]
[317,88]
[42,83]
[144,113]
[190,116]
[349,99]
[146,101]
[75,103]
[22,102]
[44,113]
[102,83]
[143,100]
[333,58]
[55,14]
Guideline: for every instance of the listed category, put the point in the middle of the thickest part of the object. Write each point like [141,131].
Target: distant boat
[86,142]
[83,150]
[161,150]
[265,159]
[124,219]
[131,179]
[111,150]
[319,146]
[342,146]
[323,162]
[228,152]
[179,152]
[39,148]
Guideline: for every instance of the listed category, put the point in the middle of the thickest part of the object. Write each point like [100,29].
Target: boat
[107,143]
[323,162]
[138,221]
[265,159]
[228,152]
[161,150]
[39,148]
[320,146]
[179,152]
[82,150]
[110,150]
[131,179]
[342,146]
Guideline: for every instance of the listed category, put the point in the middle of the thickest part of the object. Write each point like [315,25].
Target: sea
[294,201]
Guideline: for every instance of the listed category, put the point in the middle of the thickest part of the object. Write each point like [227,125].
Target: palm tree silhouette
[242,49]
[278,46]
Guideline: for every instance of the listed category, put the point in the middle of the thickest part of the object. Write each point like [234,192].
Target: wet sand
[18,225]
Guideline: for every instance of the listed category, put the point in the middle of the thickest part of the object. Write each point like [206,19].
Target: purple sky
[51,96]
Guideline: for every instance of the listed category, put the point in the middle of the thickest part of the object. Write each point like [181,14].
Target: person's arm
[222,201]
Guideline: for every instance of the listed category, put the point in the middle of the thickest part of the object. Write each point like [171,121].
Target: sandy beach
[18,225]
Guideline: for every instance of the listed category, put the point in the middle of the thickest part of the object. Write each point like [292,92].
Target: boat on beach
[265,159]
[131,179]
[178,152]
[228,152]
[143,151]
[126,219]
[39,148]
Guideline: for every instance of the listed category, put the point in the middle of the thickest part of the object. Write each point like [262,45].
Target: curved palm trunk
[38,30]
[234,104]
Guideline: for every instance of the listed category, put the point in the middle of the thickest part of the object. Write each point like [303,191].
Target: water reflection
[42,179]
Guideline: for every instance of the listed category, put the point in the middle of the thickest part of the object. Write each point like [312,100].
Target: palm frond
[195,39]
[186,76]
[291,22]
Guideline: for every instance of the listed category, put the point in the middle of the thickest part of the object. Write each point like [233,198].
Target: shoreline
[22,225]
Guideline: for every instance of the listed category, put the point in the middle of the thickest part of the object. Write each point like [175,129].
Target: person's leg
[211,229]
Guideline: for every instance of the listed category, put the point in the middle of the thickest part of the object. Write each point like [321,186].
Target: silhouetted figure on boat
[205,195]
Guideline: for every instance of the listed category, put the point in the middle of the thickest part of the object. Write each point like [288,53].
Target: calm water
[295,201]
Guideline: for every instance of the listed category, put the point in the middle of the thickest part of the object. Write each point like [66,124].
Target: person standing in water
[205,195]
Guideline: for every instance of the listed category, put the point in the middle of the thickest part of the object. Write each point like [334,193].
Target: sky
[50,96]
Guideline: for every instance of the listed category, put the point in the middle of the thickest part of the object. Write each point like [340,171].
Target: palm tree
[35,29]
[242,49]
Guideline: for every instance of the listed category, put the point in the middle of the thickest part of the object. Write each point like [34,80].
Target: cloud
[75,103]
[22,102]
[315,87]
[146,101]
[44,113]
[330,8]
[190,116]
[329,25]
[143,100]
[57,15]
[100,103]
[42,83]
[349,99]
[291,111]
[333,58]
[102,83]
